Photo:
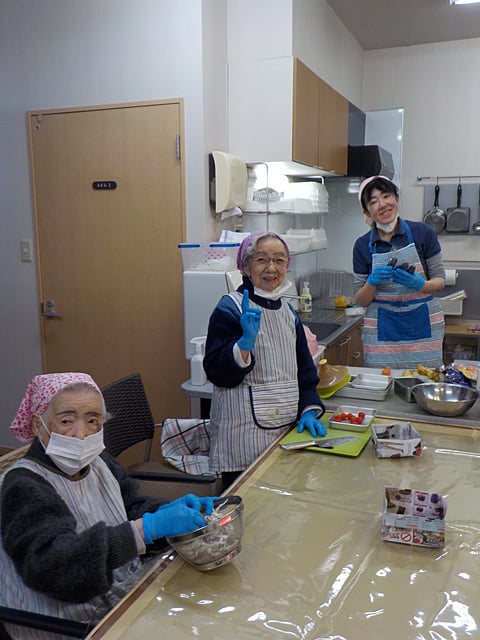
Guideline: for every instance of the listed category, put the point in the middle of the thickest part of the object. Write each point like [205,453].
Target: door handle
[50,312]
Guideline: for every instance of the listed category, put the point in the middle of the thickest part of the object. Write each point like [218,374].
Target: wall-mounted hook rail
[437,178]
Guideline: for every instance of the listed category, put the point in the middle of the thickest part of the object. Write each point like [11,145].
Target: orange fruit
[341,301]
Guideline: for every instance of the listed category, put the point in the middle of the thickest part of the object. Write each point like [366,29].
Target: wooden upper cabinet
[320,122]
[332,129]
[305,129]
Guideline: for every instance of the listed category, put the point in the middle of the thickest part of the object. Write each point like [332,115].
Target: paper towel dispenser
[228,181]
[369,160]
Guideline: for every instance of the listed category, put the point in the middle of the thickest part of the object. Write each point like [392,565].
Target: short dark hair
[382,184]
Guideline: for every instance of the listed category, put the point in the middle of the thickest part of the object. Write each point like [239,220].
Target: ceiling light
[464,1]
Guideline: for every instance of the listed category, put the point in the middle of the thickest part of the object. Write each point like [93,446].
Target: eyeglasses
[262,262]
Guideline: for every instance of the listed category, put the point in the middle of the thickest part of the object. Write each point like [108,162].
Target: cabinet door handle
[345,341]
[357,355]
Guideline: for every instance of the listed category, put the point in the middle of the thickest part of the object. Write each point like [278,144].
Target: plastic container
[198,376]
[452,305]
[205,256]
[297,242]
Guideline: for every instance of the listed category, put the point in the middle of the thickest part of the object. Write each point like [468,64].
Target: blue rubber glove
[197,503]
[250,321]
[312,423]
[380,274]
[171,520]
[410,280]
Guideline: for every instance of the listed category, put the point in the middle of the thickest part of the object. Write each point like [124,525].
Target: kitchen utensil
[371,381]
[329,443]
[363,393]
[332,378]
[458,218]
[392,262]
[444,399]
[369,415]
[330,375]
[216,543]
[328,393]
[403,386]
[435,217]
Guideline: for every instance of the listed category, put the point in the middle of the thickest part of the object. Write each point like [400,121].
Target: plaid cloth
[185,444]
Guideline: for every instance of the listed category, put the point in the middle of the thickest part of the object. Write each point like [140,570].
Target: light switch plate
[26,250]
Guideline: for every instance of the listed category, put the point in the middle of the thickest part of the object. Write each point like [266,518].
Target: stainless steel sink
[322,329]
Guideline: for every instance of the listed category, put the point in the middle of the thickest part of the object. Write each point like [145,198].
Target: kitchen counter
[324,311]
[313,563]
[392,407]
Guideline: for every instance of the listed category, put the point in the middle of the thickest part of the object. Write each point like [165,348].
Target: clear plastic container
[205,256]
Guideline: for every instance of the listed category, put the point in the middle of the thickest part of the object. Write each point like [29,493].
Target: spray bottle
[306,298]
[197,372]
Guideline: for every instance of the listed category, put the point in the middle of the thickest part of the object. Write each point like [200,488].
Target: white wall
[61,53]
[438,86]
[325,45]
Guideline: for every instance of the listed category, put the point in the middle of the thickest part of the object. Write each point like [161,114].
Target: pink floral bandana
[40,391]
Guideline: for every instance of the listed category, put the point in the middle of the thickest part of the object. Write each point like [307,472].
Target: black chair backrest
[131,418]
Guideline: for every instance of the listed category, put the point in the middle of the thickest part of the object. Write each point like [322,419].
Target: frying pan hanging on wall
[458,218]
[435,217]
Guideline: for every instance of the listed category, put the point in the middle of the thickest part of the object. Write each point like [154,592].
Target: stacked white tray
[367,386]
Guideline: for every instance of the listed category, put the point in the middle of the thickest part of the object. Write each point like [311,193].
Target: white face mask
[275,294]
[72,454]
[387,228]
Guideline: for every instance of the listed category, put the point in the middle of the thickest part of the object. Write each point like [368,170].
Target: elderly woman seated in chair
[73,525]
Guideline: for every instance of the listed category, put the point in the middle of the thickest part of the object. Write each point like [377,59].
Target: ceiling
[382,24]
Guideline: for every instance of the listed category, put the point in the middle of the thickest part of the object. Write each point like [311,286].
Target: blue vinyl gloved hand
[380,274]
[410,280]
[312,423]
[171,520]
[197,503]
[250,321]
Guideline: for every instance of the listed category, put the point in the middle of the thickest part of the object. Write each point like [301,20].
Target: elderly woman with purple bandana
[257,357]
[73,526]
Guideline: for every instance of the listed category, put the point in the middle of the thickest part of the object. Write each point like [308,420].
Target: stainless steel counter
[392,407]
[324,311]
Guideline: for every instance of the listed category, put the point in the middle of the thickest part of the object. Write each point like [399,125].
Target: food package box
[414,517]
[396,440]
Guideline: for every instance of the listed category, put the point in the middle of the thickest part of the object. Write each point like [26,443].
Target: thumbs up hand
[250,321]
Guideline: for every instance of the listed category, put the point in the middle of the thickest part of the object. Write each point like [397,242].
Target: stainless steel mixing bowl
[445,399]
[219,541]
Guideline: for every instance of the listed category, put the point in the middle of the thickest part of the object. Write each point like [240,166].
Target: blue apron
[402,328]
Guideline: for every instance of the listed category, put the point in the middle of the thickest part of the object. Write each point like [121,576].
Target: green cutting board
[352,449]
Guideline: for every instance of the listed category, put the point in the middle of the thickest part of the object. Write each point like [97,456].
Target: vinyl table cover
[313,565]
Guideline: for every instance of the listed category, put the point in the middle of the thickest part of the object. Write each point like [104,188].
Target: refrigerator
[201,292]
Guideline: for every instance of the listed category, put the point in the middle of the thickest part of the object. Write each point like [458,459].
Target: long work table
[313,564]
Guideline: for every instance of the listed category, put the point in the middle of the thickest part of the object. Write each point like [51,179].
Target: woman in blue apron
[257,357]
[397,267]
